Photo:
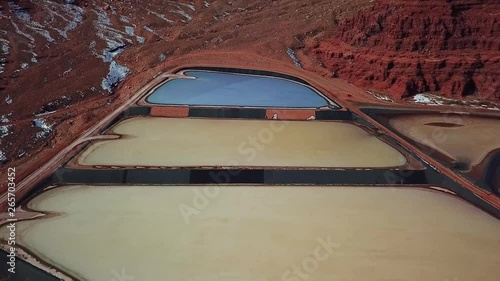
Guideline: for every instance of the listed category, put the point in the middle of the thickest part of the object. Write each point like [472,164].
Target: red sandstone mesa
[408,47]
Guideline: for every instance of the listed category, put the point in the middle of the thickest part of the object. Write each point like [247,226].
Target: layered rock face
[408,47]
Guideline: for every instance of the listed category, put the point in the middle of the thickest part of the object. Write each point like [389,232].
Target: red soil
[408,47]
[72,66]
[238,33]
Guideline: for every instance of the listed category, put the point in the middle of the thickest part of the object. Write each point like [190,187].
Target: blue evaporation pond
[228,89]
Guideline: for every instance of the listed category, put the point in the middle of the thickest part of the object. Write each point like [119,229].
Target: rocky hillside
[63,61]
[407,47]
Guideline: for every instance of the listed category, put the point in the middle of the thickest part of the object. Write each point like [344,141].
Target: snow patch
[4,51]
[4,131]
[71,14]
[380,96]
[8,99]
[45,113]
[116,74]
[124,19]
[140,39]
[23,15]
[422,98]
[113,37]
[3,157]
[430,99]
[4,43]
[129,30]
[295,60]
[183,13]
[42,124]
[19,12]
[147,28]
[161,16]
[190,5]
[116,44]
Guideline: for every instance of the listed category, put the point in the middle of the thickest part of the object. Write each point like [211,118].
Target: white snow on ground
[206,4]
[4,49]
[140,39]
[33,57]
[113,37]
[295,60]
[4,131]
[430,99]
[4,119]
[5,46]
[190,6]
[181,12]
[150,29]
[21,153]
[25,18]
[42,124]
[380,96]
[116,74]
[116,44]
[161,16]
[8,99]
[71,14]
[422,98]
[147,28]
[45,113]
[57,14]
[129,30]
[124,19]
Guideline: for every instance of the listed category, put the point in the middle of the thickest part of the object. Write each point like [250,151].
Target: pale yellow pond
[460,137]
[253,233]
[207,142]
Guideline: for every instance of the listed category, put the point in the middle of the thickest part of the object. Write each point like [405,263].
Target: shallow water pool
[174,142]
[231,89]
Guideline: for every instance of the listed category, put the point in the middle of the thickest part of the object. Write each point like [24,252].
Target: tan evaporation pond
[262,233]
[462,138]
[211,142]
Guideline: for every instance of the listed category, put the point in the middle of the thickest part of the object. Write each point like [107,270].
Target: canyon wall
[408,47]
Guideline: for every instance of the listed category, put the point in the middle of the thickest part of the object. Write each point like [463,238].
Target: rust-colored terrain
[409,47]
[64,64]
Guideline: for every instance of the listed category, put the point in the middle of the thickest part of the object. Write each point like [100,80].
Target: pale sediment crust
[170,142]
[462,138]
[261,233]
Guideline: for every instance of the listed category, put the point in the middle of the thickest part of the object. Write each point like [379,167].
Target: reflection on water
[262,233]
[227,89]
[207,142]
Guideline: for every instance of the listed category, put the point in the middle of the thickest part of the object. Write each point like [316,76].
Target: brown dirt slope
[55,56]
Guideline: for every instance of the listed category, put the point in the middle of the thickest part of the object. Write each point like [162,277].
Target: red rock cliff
[407,47]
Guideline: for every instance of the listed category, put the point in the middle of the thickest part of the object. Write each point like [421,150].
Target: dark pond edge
[24,271]
[378,114]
